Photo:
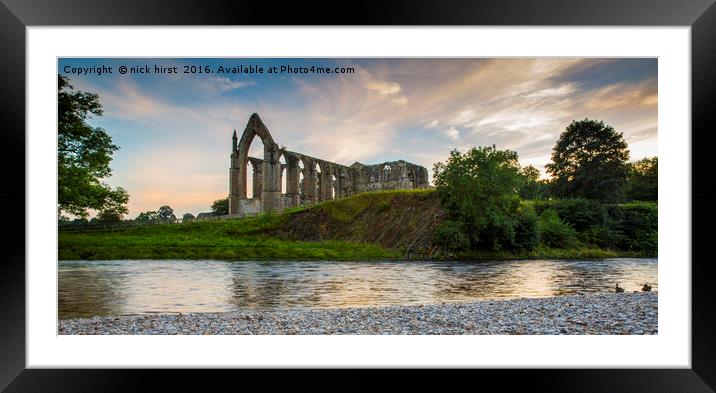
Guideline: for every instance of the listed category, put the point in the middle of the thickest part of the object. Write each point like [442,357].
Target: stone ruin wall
[308,179]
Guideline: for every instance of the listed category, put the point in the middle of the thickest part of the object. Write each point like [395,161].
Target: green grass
[346,210]
[242,239]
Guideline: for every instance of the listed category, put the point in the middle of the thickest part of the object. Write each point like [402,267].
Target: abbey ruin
[308,179]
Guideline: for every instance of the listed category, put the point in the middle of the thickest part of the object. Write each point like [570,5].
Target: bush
[450,236]
[526,229]
[607,236]
[580,213]
[554,232]
[637,224]
[497,235]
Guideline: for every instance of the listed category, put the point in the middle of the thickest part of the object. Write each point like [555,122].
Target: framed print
[462,185]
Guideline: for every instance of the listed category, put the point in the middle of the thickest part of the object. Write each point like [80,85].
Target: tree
[643,180]
[83,154]
[220,207]
[480,190]
[532,186]
[187,217]
[116,207]
[166,213]
[590,161]
[147,216]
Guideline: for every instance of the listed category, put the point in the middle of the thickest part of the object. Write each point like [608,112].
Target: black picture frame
[700,15]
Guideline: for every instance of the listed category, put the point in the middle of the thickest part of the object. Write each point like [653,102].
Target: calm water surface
[89,288]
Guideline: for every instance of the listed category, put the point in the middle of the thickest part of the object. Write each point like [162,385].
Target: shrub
[450,236]
[554,232]
[526,229]
[581,213]
[607,236]
[637,222]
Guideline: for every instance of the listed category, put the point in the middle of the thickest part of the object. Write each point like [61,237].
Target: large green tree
[643,180]
[590,161]
[83,157]
[479,189]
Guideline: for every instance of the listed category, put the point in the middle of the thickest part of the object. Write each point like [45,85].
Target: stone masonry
[308,179]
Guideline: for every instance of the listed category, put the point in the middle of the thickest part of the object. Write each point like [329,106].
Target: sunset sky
[174,130]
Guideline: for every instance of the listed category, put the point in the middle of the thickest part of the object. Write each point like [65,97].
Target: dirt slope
[400,220]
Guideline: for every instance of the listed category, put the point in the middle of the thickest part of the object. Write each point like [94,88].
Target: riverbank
[395,225]
[606,313]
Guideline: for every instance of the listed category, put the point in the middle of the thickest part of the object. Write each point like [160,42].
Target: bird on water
[617,288]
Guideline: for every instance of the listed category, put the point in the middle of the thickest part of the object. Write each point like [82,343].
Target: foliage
[554,232]
[479,189]
[166,213]
[83,156]
[637,226]
[527,231]
[626,227]
[109,216]
[580,213]
[187,217]
[220,207]
[589,161]
[80,221]
[116,207]
[450,236]
[643,180]
[148,216]
[532,186]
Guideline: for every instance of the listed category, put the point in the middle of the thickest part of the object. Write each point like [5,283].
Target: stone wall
[308,179]
[250,206]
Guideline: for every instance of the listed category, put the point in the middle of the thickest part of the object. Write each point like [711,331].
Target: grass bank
[377,225]
[243,239]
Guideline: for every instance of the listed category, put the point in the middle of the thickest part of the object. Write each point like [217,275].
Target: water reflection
[135,287]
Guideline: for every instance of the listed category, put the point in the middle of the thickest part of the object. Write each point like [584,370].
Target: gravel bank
[608,313]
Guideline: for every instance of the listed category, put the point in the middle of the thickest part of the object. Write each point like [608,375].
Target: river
[98,288]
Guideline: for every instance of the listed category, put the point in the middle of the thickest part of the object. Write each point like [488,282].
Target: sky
[174,130]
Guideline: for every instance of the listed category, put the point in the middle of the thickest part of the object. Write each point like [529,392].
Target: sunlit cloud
[452,133]
[384,88]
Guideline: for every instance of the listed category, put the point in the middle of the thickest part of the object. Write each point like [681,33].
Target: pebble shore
[606,313]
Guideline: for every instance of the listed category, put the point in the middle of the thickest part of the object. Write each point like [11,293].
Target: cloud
[175,133]
[224,84]
[452,133]
[384,88]
[432,123]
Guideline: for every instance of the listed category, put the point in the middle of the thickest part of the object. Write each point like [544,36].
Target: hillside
[400,220]
[383,225]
